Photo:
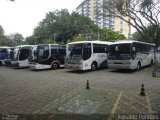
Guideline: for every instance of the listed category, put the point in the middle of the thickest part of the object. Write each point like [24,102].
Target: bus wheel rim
[54,66]
[93,66]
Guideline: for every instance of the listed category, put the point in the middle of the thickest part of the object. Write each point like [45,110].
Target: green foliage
[153,31]
[31,40]
[1,31]
[49,41]
[22,43]
[62,26]
[109,35]
[10,40]
[79,38]
[137,36]
[18,38]
[2,36]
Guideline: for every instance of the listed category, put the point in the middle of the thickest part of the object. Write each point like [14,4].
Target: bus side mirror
[133,49]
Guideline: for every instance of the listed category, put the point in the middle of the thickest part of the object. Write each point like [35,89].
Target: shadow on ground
[84,71]
[128,70]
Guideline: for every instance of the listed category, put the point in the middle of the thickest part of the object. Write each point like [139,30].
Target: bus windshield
[3,53]
[24,53]
[120,51]
[75,50]
[79,51]
[3,50]
[43,52]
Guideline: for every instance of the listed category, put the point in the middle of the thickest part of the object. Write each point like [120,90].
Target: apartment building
[94,10]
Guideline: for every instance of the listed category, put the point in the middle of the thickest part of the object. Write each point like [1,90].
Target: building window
[121,30]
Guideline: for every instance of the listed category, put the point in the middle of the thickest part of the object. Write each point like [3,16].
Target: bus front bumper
[120,65]
[7,61]
[14,64]
[36,66]
[19,64]
[73,66]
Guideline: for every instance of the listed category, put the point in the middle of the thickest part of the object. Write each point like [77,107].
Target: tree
[79,38]
[48,41]
[14,39]
[109,35]
[139,12]
[18,37]
[1,31]
[31,40]
[62,26]
[152,32]
[2,37]
[10,40]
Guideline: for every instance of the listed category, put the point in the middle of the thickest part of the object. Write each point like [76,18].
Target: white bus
[48,56]
[130,54]
[20,56]
[85,55]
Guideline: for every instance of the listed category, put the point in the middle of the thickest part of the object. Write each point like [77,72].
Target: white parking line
[115,106]
[150,111]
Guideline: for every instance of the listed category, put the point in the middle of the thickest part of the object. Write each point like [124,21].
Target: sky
[22,16]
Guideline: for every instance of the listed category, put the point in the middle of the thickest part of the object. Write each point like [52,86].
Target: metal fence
[156,68]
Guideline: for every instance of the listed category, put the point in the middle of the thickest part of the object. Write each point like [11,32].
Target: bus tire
[94,66]
[0,63]
[138,66]
[55,65]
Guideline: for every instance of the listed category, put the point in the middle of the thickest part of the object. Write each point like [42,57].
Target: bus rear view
[21,54]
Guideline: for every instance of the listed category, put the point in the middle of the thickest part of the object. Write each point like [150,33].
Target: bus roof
[96,41]
[48,44]
[131,41]
[5,47]
[24,45]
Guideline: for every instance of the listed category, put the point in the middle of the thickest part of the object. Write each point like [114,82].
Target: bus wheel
[0,63]
[55,66]
[94,66]
[138,66]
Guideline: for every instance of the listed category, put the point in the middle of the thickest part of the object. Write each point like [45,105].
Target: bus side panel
[86,64]
[101,59]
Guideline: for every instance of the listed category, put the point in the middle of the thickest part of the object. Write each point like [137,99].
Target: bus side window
[54,50]
[62,51]
[98,48]
[134,50]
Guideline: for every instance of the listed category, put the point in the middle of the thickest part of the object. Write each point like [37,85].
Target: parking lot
[111,92]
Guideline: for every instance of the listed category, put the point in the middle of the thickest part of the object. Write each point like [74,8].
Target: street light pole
[98,31]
